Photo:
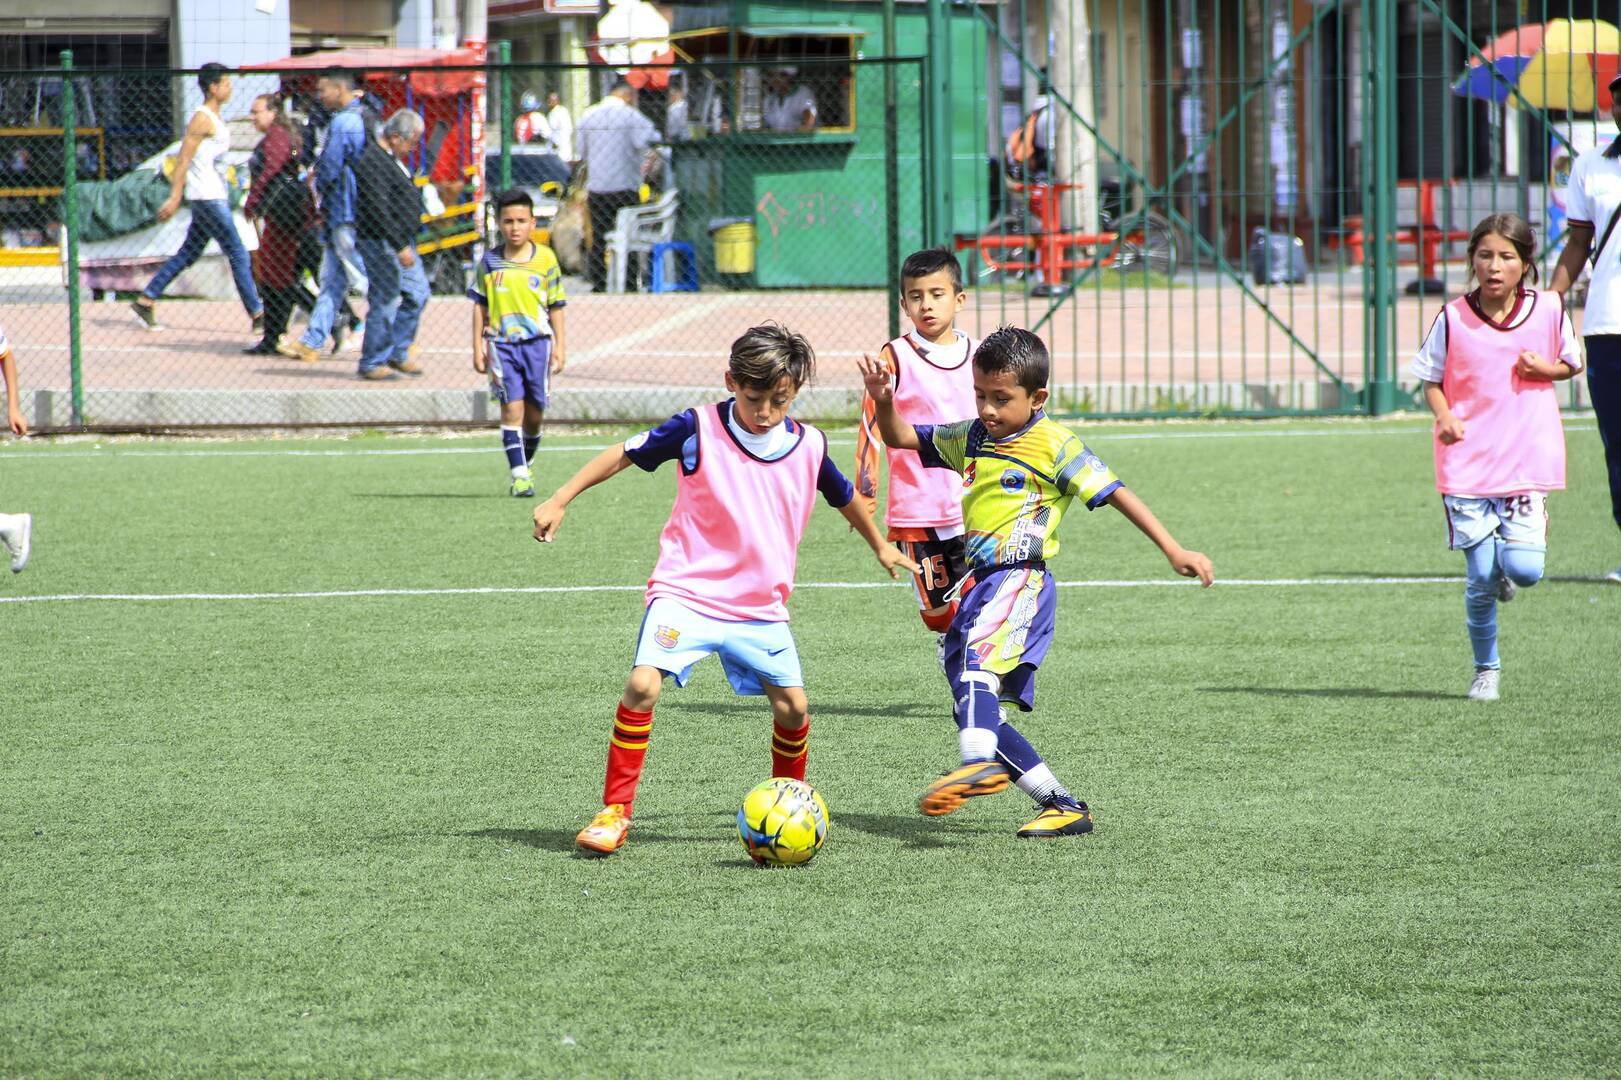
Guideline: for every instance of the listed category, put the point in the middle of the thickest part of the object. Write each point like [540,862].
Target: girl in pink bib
[1499,443]
[749,478]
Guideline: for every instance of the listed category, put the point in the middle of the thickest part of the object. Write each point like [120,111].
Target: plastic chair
[637,229]
[686,278]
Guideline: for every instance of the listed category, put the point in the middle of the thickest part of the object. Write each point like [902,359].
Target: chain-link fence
[758,192]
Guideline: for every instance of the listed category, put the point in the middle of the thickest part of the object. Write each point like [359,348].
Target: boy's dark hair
[932,261]
[514,197]
[209,75]
[342,76]
[1016,350]
[762,356]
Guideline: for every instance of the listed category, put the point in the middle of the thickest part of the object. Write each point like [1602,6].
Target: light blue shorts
[674,638]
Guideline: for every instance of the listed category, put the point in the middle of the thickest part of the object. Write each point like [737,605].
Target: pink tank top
[927,393]
[732,541]
[1513,439]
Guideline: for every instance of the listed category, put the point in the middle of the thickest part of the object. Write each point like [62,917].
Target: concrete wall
[229,32]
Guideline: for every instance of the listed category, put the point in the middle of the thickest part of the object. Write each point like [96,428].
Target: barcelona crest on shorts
[667,636]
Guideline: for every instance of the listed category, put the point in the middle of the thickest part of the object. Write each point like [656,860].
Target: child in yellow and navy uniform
[1021,471]
[518,331]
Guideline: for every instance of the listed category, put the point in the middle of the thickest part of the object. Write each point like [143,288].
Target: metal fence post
[892,210]
[938,95]
[503,109]
[70,232]
[1381,392]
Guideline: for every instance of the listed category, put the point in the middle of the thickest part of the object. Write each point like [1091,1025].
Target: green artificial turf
[332,836]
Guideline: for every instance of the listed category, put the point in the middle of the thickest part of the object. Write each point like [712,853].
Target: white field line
[551,447]
[652,331]
[495,590]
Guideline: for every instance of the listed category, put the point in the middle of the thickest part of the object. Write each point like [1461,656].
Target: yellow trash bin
[734,245]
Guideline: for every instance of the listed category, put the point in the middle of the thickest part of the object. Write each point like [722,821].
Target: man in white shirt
[1593,203]
[562,125]
[788,107]
[613,139]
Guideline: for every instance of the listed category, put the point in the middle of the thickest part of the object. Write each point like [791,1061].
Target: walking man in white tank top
[197,174]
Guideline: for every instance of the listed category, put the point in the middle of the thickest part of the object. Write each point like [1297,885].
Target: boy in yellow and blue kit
[518,331]
[1021,471]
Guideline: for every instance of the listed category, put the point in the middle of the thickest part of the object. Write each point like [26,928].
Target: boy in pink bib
[1499,443]
[933,380]
[749,477]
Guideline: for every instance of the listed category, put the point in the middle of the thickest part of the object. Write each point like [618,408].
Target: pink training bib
[1514,441]
[927,393]
[732,541]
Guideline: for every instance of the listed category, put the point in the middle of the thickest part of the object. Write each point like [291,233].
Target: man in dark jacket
[388,217]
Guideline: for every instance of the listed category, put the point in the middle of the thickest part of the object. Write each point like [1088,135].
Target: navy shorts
[1004,626]
[521,370]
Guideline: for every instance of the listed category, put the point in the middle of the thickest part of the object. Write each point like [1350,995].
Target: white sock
[1040,784]
[520,472]
[977,743]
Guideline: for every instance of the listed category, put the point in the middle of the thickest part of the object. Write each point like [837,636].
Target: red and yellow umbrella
[1559,64]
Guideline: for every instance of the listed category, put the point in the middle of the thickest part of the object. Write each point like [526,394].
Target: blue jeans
[395,298]
[210,220]
[338,269]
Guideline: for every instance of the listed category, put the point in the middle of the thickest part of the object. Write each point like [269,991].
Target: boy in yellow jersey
[1020,472]
[518,331]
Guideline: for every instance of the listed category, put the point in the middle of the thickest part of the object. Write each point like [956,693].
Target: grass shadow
[913,831]
[561,841]
[760,707]
[1331,692]
[421,495]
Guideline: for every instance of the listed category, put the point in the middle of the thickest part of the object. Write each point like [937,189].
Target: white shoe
[1506,589]
[16,534]
[1484,688]
[1614,575]
[352,341]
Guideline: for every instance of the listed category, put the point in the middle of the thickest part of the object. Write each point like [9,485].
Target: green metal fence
[738,215]
[1209,207]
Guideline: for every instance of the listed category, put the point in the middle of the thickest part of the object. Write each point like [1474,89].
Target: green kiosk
[771,198]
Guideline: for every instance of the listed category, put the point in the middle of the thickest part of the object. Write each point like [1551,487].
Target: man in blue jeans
[388,216]
[335,194]
[197,174]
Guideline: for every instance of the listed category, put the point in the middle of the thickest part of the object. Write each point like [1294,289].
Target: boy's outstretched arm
[881,387]
[889,556]
[1184,562]
[549,514]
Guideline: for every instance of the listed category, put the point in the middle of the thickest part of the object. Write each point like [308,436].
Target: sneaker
[340,333]
[260,348]
[16,538]
[1614,575]
[606,833]
[407,367]
[961,784]
[380,373]
[147,313]
[294,349]
[522,488]
[347,337]
[1061,817]
[1484,688]
[1506,589]
[357,335]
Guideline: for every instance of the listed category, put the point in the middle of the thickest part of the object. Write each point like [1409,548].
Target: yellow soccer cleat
[961,784]
[606,833]
[1059,818]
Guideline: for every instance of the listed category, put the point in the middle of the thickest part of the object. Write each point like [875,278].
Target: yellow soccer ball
[782,822]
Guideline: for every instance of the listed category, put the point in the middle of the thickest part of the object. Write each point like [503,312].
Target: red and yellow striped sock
[627,747]
[788,750]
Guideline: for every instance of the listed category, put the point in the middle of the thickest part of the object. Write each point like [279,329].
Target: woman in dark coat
[281,206]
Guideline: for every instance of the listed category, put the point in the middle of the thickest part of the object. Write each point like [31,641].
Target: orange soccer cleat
[606,833]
